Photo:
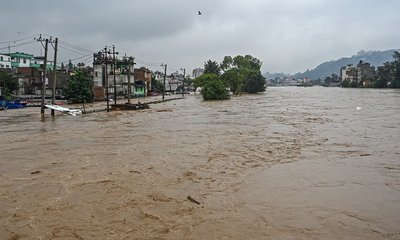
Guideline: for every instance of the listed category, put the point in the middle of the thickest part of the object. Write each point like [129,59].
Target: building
[348,72]
[197,72]
[365,73]
[116,76]
[143,74]
[30,81]
[139,89]
[38,62]
[19,59]
[5,61]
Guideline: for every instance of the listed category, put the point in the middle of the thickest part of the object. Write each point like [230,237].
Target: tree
[254,83]
[235,79]
[247,62]
[8,83]
[212,67]
[395,70]
[227,63]
[215,89]
[388,75]
[346,83]
[156,85]
[243,73]
[382,76]
[203,79]
[79,88]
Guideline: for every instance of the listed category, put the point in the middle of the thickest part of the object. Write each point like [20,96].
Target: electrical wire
[71,50]
[18,40]
[18,45]
[78,58]
[72,46]
[148,64]
[88,60]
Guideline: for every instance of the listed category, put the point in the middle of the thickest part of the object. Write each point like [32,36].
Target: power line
[72,46]
[78,57]
[18,40]
[149,64]
[88,60]
[18,45]
[71,50]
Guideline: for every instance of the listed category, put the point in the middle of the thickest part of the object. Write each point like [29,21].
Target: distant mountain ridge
[375,58]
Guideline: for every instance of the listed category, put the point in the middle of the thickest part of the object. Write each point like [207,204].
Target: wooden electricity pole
[44,76]
[131,64]
[183,83]
[165,75]
[53,96]
[115,82]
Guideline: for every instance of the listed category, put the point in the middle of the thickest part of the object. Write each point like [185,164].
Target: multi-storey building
[103,74]
[348,72]
[365,73]
[5,61]
[19,59]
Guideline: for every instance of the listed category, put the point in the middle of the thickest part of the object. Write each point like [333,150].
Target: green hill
[375,58]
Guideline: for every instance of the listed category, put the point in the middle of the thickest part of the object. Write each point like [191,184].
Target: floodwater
[292,163]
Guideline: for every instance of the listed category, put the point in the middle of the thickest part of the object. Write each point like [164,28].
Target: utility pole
[105,61]
[53,97]
[44,76]
[115,82]
[44,70]
[183,82]
[165,75]
[131,63]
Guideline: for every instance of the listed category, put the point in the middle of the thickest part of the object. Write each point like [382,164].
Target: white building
[121,76]
[197,72]
[38,62]
[19,59]
[5,61]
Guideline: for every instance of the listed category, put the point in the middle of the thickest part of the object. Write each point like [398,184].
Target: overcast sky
[286,35]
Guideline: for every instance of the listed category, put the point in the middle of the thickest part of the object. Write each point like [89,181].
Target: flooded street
[291,163]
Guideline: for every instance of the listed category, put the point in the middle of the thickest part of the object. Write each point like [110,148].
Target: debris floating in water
[193,200]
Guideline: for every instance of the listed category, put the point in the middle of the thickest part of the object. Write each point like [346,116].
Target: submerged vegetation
[9,84]
[241,74]
[79,88]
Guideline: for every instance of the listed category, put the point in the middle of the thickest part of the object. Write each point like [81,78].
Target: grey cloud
[287,36]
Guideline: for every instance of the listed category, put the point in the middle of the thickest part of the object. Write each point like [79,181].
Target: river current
[291,163]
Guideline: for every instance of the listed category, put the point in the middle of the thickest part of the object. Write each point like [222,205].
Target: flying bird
[199,13]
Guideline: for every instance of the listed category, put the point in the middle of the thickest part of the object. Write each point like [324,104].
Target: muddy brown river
[292,163]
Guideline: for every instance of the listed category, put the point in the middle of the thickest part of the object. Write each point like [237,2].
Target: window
[1,58]
[24,60]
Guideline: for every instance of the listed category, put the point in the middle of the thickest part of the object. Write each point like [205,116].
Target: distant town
[120,74]
[363,73]
[114,72]
[367,69]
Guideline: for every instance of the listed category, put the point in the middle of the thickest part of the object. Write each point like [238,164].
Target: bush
[215,90]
